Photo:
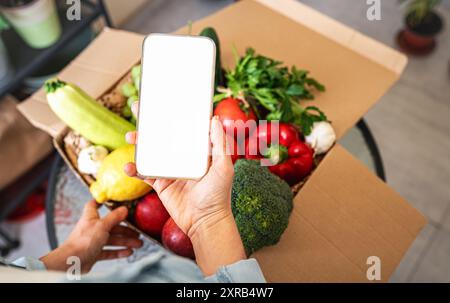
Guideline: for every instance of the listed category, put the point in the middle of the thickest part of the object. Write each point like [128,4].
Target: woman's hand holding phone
[202,208]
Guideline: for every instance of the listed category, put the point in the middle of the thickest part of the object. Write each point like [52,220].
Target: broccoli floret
[261,204]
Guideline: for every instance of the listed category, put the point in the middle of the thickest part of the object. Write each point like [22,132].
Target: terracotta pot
[417,41]
[420,38]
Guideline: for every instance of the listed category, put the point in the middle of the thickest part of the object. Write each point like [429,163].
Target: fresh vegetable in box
[261,204]
[273,91]
[150,215]
[231,110]
[136,76]
[257,88]
[131,91]
[211,33]
[112,183]
[174,239]
[91,158]
[86,116]
[289,158]
[322,137]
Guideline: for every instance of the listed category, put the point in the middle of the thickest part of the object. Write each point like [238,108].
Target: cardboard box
[343,214]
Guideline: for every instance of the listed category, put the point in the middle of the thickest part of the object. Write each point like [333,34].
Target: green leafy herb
[418,10]
[306,118]
[273,90]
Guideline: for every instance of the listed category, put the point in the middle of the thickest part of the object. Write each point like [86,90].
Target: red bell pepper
[289,158]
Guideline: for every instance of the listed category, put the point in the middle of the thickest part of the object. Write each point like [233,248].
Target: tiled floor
[32,235]
[411,123]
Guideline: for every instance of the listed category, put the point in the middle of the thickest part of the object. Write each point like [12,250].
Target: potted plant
[422,24]
[36,21]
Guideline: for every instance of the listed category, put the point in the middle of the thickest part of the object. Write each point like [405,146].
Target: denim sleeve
[158,268]
[166,267]
[245,271]
[27,263]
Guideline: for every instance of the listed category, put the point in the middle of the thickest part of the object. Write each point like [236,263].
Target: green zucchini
[86,116]
[212,34]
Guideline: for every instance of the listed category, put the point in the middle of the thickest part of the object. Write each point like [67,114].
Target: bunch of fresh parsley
[273,91]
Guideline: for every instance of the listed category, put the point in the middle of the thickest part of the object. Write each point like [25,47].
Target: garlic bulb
[90,159]
[322,137]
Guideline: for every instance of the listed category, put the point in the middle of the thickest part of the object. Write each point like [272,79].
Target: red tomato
[150,215]
[229,111]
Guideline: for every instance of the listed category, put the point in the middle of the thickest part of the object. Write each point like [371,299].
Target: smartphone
[175,106]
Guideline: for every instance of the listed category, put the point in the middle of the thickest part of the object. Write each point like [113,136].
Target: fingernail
[135,107]
[127,168]
[128,137]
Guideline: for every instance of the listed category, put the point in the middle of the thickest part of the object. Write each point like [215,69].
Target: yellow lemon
[112,183]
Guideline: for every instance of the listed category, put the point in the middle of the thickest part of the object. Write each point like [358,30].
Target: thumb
[115,217]
[90,211]
[219,142]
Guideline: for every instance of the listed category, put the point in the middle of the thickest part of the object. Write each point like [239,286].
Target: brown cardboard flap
[355,69]
[41,116]
[342,216]
[95,70]
[342,34]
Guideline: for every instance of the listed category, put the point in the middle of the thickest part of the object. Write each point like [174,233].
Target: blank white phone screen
[176,91]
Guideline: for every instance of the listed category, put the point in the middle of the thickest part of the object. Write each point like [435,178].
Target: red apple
[174,239]
[150,215]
